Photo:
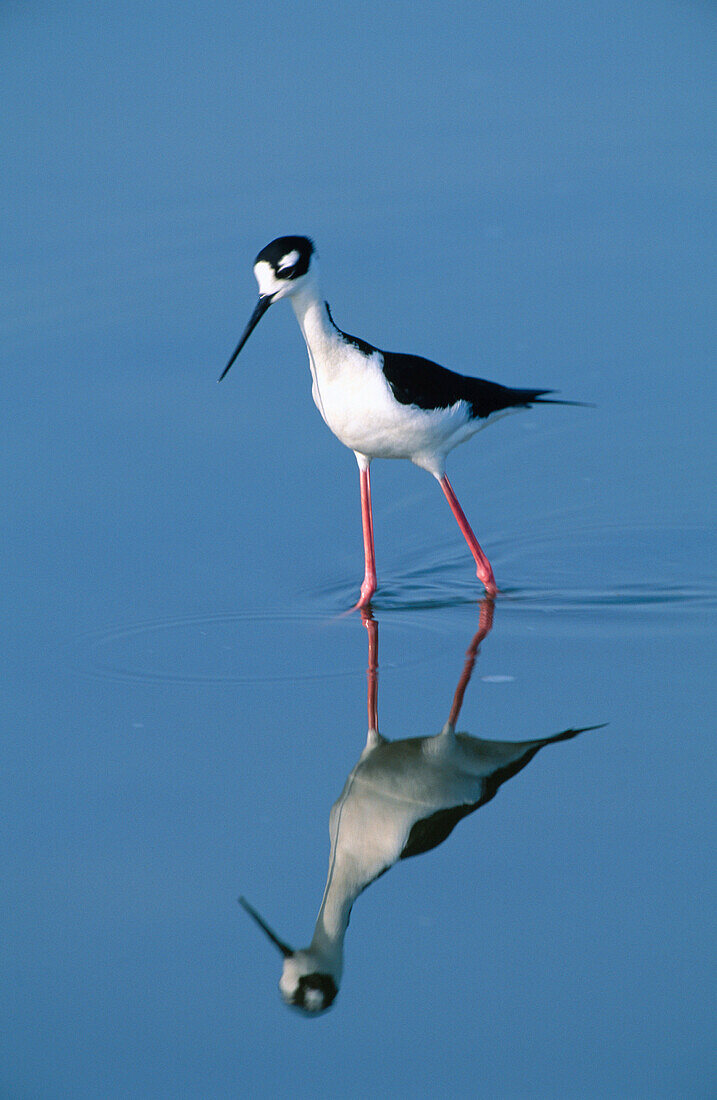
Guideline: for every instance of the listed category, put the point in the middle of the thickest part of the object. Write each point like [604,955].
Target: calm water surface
[521,195]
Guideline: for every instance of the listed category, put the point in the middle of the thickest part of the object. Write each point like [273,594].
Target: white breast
[353,396]
[356,401]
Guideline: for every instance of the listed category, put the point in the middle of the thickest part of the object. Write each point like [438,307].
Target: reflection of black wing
[431,831]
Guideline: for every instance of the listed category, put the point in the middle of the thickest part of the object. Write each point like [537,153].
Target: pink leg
[485,623]
[370,584]
[483,566]
[372,670]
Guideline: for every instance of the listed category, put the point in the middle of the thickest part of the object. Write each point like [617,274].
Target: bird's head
[304,987]
[281,269]
[304,984]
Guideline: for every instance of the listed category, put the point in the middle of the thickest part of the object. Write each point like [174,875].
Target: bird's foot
[368,589]
[485,576]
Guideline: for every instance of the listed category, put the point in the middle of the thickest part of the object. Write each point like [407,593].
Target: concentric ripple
[240,648]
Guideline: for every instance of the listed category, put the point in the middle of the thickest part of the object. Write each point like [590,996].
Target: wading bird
[382,404]
[402,798]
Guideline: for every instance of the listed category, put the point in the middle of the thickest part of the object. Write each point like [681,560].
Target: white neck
[318,331]
[341,891]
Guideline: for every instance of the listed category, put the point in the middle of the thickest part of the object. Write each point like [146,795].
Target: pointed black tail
[490,397]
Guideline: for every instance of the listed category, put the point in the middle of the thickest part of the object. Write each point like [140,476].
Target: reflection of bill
[401,799]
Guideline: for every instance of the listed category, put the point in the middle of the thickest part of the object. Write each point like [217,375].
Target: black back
[431,831]
[418,381]
[421,382]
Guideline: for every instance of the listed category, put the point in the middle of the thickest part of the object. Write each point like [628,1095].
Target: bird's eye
[287,263]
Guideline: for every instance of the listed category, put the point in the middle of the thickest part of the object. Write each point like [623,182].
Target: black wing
[418,381]
[431,831]
[421,382]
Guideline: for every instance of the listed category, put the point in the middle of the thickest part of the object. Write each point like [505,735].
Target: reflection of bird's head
[303,984]
[304,987]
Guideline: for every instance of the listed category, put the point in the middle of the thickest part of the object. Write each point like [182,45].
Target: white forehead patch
[313,1000]
[267,280]
[288,260]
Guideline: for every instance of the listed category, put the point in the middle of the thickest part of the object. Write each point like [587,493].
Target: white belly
[358,405]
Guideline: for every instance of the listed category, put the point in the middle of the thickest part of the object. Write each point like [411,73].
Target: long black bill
[285,950]
[261,307]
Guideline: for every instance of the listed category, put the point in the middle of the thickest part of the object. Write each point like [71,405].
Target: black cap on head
[288,256]
[314,993]
[289,259]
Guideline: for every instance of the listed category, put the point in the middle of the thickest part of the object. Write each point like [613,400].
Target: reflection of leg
[483,566]
[372,670]
[485,623]
[369,581]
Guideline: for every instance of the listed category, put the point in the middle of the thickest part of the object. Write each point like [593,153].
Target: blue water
[520,192]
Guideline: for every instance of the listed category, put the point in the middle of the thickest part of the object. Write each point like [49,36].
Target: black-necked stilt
[402,798]
[379,403]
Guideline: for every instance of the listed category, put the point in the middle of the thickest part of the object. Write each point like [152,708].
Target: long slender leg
[484,571]
[372,670]
[485,623]
[369,581]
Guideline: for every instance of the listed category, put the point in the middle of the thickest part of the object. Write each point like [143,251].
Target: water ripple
[235,648]
[590,581]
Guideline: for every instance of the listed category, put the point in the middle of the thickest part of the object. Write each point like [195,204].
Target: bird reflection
[401,799]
